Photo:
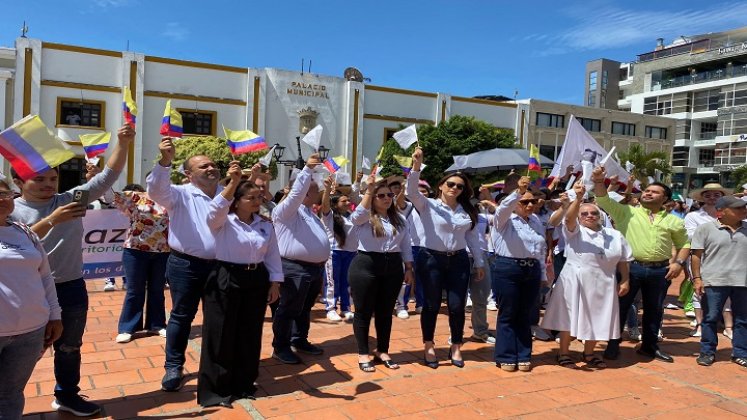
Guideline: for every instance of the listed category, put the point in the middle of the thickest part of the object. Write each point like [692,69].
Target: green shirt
[651,241]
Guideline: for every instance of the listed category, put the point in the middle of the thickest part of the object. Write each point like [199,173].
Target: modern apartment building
[700,81]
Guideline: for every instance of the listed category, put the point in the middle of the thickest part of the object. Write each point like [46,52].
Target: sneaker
[694,323]
[419,310]
[286,356]
[306,347]
[492,306]
[172,380]
[690,314]
[695,333]
[485,338]
[728,333]
[348,316]
[706,359]
[634,334]
[123,338]
[161,332]
[540,334]
[402,314]
[75,404]
[468,305]
[333,316]
[109,286]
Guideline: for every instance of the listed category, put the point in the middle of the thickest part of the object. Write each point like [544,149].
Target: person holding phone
[29,312]
[57,220]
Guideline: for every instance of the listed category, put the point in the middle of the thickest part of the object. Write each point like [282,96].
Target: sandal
[390,364]
[565,361]
[741,361]
[367,367]
[593,361]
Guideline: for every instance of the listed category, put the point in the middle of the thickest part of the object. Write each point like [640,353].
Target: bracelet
[697,277]
[50,223]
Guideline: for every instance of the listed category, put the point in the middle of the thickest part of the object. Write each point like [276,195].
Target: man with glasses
[651,233]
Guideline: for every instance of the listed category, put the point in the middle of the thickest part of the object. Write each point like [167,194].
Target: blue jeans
[187,277]
[146,271]
[298,292]
[73,299]
[516,288]
[18,356]
[712,305]
[340,265]
[442,272]
[653,286]
[419,298]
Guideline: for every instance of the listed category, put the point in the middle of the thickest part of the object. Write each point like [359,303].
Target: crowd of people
[367,248]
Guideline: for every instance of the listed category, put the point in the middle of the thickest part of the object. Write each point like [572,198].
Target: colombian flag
[31,148]
[244,141]
[95,144]
[534,171]
[171,125]
[334,164]
[405,163]
[129,108]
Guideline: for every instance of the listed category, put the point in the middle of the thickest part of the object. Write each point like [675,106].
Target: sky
[461,47]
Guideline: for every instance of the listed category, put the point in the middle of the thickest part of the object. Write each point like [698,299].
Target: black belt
[306,263]
[190,257]
[235,266]
[447,253]
[523,262]
[655,264]
[380,254]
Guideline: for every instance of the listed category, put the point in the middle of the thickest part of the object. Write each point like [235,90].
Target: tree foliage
[739,177]
[215,148]
[459,135]
[646,163]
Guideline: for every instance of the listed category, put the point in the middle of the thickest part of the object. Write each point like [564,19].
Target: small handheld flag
[534,171]
[366,163]
[244,141]
[334,164]
[129,108]
[171,125]
[406,137]
[266,160]
[31,148]
[314,137]
[404,162]
[95,144]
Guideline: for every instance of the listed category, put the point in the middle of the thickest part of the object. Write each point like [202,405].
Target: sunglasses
[382,196]
[592,213]
[456,185]
[525,202]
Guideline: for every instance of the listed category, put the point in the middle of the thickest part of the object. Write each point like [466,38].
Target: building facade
[701,82]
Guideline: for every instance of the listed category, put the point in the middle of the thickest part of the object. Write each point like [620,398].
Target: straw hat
[697,195]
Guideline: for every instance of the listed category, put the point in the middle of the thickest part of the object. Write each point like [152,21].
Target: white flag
[93,161]
[366,163]
[460,161]
[629,166]
[267,159]
[577,142]
[406,137]
[314,137]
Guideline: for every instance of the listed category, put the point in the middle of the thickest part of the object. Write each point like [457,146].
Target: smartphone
[81,196]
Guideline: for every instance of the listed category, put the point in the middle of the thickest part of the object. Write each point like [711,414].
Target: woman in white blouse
[449,223]
[376,272]
[245,279]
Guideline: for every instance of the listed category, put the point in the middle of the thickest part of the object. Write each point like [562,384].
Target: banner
[104,233]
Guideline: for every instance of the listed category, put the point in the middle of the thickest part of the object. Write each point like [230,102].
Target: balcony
[701,77]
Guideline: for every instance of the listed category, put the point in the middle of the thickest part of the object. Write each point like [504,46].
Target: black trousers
[233,311]
[375,279]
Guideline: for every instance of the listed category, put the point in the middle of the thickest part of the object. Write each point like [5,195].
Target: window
[80,113]
[656,132]
[389,134]
[550,120]
[604,80]
[680,156]
[706,100]
[591,124]
[706,157]
[624,129]
[658,105]
[591,101]
[72,173]
[707,130]
[198,122]
[548,151]
[593,81]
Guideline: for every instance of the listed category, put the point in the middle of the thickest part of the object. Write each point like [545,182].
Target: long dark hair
[243,187]
[338,224]
[397,221]
[464,197]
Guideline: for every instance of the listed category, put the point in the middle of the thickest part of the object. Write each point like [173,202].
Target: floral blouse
[149,223]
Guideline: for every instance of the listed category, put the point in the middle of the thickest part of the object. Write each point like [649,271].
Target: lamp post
[299,162]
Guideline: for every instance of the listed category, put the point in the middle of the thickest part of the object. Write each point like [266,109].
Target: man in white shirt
[192,247]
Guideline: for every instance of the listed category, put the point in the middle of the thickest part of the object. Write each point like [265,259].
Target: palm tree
[646,163]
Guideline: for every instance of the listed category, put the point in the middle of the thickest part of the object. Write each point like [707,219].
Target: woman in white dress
[583,303]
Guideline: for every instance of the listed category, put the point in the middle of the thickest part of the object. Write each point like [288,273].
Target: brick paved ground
[125,379]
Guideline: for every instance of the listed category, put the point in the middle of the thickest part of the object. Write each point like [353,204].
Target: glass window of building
[604,79]
[201,123]
[550,120]
[706,100]
[680,156]
[82,113]
[624,129]
[706,157]
[548,151]
[707,130]
[591,101]
[656,132]
[658,105]
[591,124]
[593,80]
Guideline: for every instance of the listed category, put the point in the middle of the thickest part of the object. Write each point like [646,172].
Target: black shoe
[656,354]
[75,404]
[286,356]
[706,359]
[172,380]
[612,352]
[306,347]
[456,362]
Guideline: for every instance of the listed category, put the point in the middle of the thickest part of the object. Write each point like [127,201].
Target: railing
[701,77]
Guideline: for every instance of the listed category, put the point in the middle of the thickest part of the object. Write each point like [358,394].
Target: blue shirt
[514,237]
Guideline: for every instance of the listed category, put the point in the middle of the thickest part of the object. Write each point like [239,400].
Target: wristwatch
[680,262]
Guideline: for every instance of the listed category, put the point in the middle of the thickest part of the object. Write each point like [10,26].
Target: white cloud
[612,27]
[111,3]
[175,31]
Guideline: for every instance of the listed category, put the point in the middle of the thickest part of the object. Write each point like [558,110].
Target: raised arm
[158,183]
[571,216]
[326,195]
[219,206]
[509,203]
[411,186]
[556,218]
[617,211]
[292,202]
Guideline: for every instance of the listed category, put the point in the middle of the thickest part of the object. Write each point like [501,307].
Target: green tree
[459,135]
[215,148]
[646,163]
[739,177]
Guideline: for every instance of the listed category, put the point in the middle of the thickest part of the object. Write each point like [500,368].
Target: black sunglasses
[525,202]
[382,196]
[593,213]
[456,185]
